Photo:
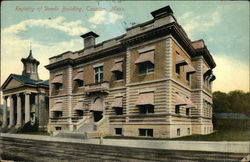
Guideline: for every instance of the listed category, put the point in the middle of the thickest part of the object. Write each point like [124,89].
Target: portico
[25,96]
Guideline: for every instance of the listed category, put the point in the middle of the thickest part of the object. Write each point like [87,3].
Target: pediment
[11,83]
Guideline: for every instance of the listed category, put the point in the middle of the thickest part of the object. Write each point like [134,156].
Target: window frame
[58,114]
[118,131]
[58,86]
[118,112]
[118,75]
[187,111]
[177,109]
[78,83]
[146,132]
[145,68]
[177,69]
[58,128]
[188,77]
[80,112]
[178,132]
[147,109]
[98,73]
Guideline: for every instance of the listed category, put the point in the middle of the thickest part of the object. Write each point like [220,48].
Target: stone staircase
[86,125]
[85,128]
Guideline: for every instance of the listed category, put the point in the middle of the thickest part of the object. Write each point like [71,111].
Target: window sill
[146,73]
[58,89]
[121,80]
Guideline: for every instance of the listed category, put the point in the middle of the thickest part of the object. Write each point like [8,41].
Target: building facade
[151,81]
[25,97]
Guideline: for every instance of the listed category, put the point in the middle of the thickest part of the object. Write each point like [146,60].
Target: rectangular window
[146,132]
[188,131]
[145,67]
[188,77]
[178,132]
[177,109]
[118,75]
[118,131]
[187,111]
[98,74]
[58,86]
[58,128]
[146,109]
[150,132]
[178,69]
[79,83]
[58,114]
[142,132]
[119,110]
[79,112]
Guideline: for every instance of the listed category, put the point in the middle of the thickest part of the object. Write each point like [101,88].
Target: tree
[233,102]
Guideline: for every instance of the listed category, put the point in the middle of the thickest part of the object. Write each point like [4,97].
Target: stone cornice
[61,63]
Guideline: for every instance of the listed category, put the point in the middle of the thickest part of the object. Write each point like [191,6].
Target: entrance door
[97,109]
[97,115]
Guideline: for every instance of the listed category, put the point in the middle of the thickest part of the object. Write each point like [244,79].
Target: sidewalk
[233,147]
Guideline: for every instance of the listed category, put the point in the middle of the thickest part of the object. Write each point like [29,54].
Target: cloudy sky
[55,27]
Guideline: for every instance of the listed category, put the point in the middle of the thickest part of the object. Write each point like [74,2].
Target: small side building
[25,96]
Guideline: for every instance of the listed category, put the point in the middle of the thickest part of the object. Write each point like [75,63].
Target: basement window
[58,128]
[146,132]
[178,132]
[118,131]
[188,131]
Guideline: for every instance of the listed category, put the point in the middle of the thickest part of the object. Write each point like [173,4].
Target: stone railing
[81,122]
[103,125]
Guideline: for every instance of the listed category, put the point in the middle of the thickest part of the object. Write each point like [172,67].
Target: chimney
[89,39]
[162,12]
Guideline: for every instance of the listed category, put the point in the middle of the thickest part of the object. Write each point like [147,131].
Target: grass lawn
[220,135]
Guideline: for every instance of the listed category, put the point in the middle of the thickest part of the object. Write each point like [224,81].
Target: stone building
[151,81]
[27,95]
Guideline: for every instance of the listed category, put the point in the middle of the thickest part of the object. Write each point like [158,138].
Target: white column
[11,112]
[37,106]
[19,111]
[27,107]
[42,112]
[5,112]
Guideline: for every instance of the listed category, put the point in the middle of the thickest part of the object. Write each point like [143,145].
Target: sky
[53,27]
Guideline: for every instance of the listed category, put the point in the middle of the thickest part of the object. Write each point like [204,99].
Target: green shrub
[27,127]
